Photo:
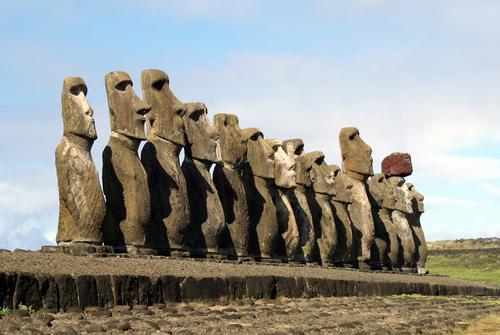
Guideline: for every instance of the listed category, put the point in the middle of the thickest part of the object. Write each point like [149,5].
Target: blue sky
[421,77]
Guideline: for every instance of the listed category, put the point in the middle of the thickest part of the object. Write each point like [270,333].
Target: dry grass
[489,325]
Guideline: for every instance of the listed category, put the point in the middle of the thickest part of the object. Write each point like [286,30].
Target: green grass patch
[483,267]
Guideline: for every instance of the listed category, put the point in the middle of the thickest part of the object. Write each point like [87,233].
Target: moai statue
[81,203]
[357,165]
[259,184]
[207,223]
[285,180]
[321,208]
[341,200]
[228,179]
[395,167]
[383,197]
[125,181]
[417,200]
[299,203]
[160,157]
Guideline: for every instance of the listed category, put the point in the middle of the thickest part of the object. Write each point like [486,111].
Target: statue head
[417,199]
[284,164]
[76,112]
[342,185]
[294,146]
[127,111]
[303,166]
[165,117]
[381,191]
[356,154]
[402,193]
[260,154]
[232,144]
[321,174]
[202,137]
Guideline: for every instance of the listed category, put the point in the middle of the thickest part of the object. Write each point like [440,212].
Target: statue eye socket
[158,85]
[196,115]
[122,86]
[75,90]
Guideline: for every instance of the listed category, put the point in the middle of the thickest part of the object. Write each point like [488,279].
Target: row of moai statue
[265,200]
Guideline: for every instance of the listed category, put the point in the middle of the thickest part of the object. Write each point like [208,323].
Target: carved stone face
[125,108]
[303,166]
[356,154]
[294,146]
[165,117]
[403,199]
[322,176]
[342,186]
[232,144]
[202,137]
[76,112]
[382,191]
[417,199]
[284,164]
[260,156]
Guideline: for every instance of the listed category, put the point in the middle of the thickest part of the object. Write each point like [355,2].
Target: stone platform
[59,282]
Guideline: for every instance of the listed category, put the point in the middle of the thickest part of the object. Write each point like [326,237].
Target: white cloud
[449,203]
[491,189]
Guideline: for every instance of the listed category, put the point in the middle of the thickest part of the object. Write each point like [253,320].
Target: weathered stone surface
[341,199]
[160,157]
[383,199]
[125,184]
[81,202]
[68,295]
[357,164]
[104,291]
[397,164]
[207,222]
[228,180]
[299,203]
[48,292]
[125,290]
[400,220]
[357,159]
[261,287]
[259,185]
[362,220]
[170,289]
[196,289]
[321,207]
[7,288]
[27,291]
[86,287]
[285,180]
[417,201]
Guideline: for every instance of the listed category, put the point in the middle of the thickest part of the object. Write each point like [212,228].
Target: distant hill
[467,244]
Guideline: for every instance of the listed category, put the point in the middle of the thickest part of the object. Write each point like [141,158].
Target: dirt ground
[349,315]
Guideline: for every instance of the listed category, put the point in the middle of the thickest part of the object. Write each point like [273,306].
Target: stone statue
[396,166]
[125,184]
[383,198]
[81,203]
[321,208]
[299,203]
[417,200]
[228,180]
[207,223]
[341,199]
[357,165]
[285,180]
[160,157]
[259,184]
